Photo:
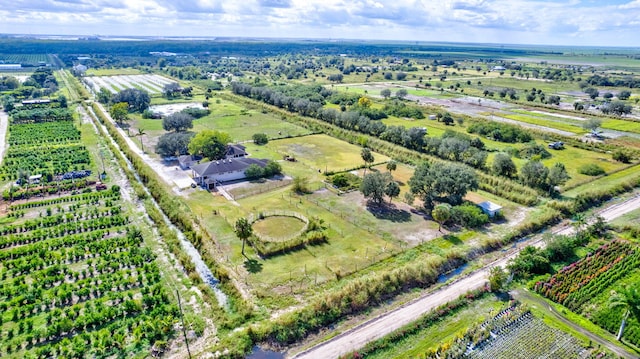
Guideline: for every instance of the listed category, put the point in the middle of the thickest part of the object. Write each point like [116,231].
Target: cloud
[631,5]
[550,21]
[275,3]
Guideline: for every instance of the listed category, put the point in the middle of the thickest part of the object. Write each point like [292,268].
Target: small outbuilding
[490,208]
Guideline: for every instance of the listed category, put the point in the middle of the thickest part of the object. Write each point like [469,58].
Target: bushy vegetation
[591,169]
[500,132]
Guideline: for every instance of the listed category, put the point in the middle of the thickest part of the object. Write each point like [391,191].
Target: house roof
[236,150]
[490,206]
[229,165]
[189,158]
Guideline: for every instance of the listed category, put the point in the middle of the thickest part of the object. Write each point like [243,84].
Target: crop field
[31,59]
[324,152]
[513,338]
[589,280]
[76,280]
[153,84]
[52,147]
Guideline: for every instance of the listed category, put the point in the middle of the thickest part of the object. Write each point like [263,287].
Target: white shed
[490,208]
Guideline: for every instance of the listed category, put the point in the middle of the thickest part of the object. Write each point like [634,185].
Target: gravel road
[4,124]
[386,323]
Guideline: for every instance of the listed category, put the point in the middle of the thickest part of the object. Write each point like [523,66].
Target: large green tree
[174,144]
[374,184]
[534,174]
[211,144]
[178,122]
[503,165]
[119,112]
[446,182]
[441,213]
[557,176]
[138,100]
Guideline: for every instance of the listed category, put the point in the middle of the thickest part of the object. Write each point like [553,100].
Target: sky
[564,22]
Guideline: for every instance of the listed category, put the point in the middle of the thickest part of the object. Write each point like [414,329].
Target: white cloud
[541,21]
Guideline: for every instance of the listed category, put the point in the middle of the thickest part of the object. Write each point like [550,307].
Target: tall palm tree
[243,230]
[367,157]
[629,300]
[139,134]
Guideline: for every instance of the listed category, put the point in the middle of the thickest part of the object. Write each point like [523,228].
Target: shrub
[533,149]
[346,181]
[469,215]
[196,112]
[260,139]
[621,156]
[591,169]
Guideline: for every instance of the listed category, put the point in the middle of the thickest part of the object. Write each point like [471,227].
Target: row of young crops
[153,84]
[43,146]
[32,59]
[75,278]
[580,284]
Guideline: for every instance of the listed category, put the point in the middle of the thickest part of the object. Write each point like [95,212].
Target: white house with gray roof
[231,169]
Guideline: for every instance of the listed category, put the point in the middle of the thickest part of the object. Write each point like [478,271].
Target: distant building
[10,67]
[79,69]
[162,53]
[38,101]
[490,208]
[209,174]
[498,68]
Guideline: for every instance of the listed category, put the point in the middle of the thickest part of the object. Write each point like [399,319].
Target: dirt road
[172,175]
[4,124]
[386,323]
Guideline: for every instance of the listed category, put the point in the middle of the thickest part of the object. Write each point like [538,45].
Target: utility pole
[184,330]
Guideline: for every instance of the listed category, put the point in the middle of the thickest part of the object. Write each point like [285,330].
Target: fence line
[261,189]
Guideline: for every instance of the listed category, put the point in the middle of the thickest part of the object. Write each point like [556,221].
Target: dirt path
[172,175]
[4,125]
[386,323]
[617,350]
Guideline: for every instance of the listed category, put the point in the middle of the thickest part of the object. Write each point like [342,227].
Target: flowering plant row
[580,281]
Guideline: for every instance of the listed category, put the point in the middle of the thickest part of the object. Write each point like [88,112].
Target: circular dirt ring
[278,228]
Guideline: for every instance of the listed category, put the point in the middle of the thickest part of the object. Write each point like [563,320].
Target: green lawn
[323,152]
[278,227]
[229,117]
[607,181]
[535,120]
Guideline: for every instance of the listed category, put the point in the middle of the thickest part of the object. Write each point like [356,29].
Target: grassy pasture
[324,152]
[350,248]
[229,117]
[606,181]
[547,122]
